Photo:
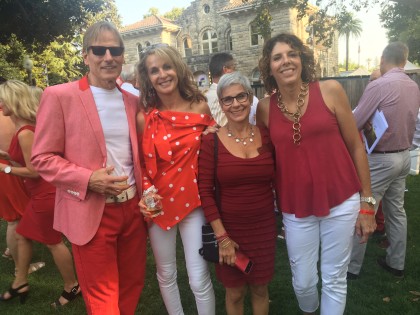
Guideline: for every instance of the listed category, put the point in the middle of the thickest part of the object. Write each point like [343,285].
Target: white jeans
[164,250]
[330,237]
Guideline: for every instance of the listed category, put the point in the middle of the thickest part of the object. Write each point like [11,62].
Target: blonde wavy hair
[20,99]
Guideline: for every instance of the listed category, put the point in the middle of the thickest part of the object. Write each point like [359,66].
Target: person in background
[129,81]
[176,115]
[13,196]
[245,219]
[222,63]
[20,104]
[86,145]
[398,98]
[322,174]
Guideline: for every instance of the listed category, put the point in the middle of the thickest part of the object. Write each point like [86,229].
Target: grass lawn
[375,293]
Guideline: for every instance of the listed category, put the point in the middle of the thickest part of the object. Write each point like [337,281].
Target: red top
[318,174]
[171,143]
[36,187]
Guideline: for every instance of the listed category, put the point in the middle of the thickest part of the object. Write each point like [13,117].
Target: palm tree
[349,25]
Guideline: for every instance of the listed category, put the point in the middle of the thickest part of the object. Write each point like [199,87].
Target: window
[229,44]
[209,42]
[256,39]
[187,47]
[255,77]
[206,8]
[139,49]
[147,43]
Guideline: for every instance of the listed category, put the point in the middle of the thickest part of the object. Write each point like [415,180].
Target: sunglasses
[241,98]
[152,47]
[101,50]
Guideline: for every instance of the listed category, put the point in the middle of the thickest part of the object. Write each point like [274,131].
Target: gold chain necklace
[304,88]
[242,140]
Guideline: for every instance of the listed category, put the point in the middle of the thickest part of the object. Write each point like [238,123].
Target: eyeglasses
[101,50]
[240,98]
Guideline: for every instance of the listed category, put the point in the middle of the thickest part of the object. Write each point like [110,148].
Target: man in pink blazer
[86,145]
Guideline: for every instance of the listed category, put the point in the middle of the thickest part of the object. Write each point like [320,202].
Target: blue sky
[372,40]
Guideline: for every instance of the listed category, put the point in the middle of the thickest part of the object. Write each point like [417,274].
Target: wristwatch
[369,200]
[7,169]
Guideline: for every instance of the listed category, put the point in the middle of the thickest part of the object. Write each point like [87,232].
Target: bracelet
[366,211]
[226,244]
[224,241]
[222,237]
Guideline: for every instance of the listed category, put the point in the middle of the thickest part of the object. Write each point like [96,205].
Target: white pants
[164,250]
[330,237]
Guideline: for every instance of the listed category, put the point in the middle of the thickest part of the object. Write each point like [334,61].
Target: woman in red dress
[245,218]
[13,197]
[19,103]
[176,114]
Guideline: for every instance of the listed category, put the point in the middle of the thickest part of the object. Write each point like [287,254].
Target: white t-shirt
[111,110]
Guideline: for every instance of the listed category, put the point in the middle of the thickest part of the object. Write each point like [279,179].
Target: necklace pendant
[244,143]
[229,134]
[237,140]
[251,140]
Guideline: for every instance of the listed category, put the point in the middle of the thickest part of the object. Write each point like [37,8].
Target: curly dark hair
[186,83]
[306,55]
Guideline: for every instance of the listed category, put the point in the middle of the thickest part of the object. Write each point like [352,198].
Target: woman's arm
[263,111]
[336,99]
[26,139]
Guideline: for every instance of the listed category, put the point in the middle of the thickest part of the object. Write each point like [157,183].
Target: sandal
[7,254]
[15,293]
[69,296]
[33,267]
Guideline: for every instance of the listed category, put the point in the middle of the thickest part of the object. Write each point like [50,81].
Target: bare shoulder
[200,107]
[330,86]
[333,94]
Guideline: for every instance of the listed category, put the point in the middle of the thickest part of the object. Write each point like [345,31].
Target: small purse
[210,249]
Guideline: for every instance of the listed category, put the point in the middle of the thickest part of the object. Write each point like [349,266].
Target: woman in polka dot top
[176,114]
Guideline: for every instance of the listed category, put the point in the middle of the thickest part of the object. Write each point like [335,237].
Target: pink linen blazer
[69,145]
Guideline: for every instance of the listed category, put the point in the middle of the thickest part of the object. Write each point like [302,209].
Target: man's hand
[105,184]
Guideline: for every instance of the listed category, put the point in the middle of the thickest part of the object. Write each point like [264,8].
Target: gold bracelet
[225,245]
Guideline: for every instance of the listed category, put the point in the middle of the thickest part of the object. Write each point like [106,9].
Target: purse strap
[216,182]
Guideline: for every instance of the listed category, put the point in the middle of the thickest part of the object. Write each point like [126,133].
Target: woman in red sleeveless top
[18,101]
[322,173]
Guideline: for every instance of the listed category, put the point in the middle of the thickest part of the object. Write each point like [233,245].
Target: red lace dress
[37,221]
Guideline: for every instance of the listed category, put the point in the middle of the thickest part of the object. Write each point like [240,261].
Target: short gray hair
[396,53]
[233,78]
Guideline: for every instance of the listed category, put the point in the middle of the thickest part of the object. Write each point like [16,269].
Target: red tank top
[318,174]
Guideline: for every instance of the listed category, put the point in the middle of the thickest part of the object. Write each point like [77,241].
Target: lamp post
[28,65]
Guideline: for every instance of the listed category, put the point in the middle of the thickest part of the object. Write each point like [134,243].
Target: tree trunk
[347,51]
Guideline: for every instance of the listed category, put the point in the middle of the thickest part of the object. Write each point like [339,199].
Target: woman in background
[176,114]
[20,103]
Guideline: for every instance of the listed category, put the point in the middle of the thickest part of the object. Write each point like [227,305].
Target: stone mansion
[209,26]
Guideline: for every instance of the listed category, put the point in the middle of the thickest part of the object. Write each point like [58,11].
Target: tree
[403,23]
[152,11]
[56,61]
[349,26]
[174,14]
[42,21]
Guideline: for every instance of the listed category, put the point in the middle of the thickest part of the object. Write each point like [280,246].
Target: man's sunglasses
[101,50]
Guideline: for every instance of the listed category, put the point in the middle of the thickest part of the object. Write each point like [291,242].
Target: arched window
[139,49]
[187,47]
[256,38]
[229,44]
[147,43]
[255,77]
[209,42]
